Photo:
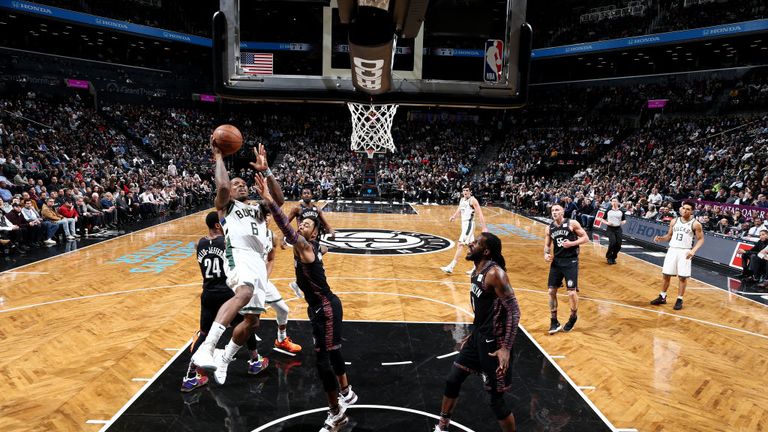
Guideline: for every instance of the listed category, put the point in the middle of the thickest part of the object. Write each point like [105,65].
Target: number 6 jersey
[245,227]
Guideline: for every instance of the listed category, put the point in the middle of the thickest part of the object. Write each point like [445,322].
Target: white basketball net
[372,127]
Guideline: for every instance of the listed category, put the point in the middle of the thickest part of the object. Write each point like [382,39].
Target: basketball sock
[452,264]
[344,391]
[281,335]
[679,297]
[254,355]
[553,314]
[214,334]
[663,295]
[231,349]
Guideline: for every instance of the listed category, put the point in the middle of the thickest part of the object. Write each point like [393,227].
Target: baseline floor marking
[558,357]
[97,421]
[104,241]
[568,378]
[450,354]
[145,387]
[396,363]
[11,272]
[141,379]
[381,407]
[587,387]
[69,299]
[284,352]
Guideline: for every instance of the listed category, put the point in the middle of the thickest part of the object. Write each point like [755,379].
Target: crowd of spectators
[66,172]
[557,26]
[652,170]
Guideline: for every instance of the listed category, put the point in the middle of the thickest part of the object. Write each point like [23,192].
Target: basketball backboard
[467,53]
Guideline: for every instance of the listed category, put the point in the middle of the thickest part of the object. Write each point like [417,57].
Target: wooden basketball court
[82,333]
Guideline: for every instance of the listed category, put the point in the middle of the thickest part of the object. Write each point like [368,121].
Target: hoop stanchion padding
[372,127]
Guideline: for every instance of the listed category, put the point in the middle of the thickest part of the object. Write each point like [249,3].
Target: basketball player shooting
[245,231]
[468,207]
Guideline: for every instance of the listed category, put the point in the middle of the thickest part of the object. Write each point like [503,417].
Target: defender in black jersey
[486,351]
[566,235]
[324,308]
[210,257]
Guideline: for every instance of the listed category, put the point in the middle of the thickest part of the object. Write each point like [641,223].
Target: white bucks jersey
[682,234]
[466,209]
[245,227]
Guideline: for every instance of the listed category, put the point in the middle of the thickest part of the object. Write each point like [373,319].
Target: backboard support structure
[409,87]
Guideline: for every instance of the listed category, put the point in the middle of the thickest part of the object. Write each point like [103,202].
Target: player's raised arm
[281,220]
[262,166]
[222,178]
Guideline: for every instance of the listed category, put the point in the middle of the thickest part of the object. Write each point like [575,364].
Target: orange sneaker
[288,345]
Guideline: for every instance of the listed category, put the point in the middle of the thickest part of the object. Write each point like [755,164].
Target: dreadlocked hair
[493,243]
[321,229]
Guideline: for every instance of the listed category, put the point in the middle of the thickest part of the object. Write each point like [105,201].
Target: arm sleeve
[512,319]
[291,236]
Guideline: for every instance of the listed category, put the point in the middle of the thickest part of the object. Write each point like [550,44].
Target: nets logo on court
[363,241]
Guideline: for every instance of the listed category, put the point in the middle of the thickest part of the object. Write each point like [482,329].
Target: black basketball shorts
[474,358]
[564,269]
[326,318]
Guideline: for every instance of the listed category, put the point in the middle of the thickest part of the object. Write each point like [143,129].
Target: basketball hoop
[372,127]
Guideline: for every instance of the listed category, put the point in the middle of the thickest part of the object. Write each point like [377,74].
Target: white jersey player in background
[247,239]
[469,208]
[677,262]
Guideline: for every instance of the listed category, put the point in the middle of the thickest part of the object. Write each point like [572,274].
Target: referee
[615,218]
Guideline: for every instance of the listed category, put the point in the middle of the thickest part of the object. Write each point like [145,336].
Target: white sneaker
[76,235]
[203,358]
[334,422]
[437,429]
[222,364]
[447,269]
[69,237]
[349,399]
[295,287]
[469,272]
[50,242]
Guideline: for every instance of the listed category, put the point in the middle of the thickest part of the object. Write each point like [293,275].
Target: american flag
[256,63]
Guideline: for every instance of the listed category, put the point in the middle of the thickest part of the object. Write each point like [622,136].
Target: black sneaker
[659,300]
[678,304]
[571,322]
[554,326]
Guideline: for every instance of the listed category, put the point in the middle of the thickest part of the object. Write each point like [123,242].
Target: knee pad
[337,362]
[325,372]
[499,406]
[281,309]
[454,381]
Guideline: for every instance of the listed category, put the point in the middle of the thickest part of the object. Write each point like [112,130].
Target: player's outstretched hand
[261,188]
[261,158]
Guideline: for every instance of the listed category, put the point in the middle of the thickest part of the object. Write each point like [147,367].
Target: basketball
[228,139]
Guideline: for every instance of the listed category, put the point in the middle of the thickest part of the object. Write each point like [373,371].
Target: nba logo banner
[598,222]
[494,52]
